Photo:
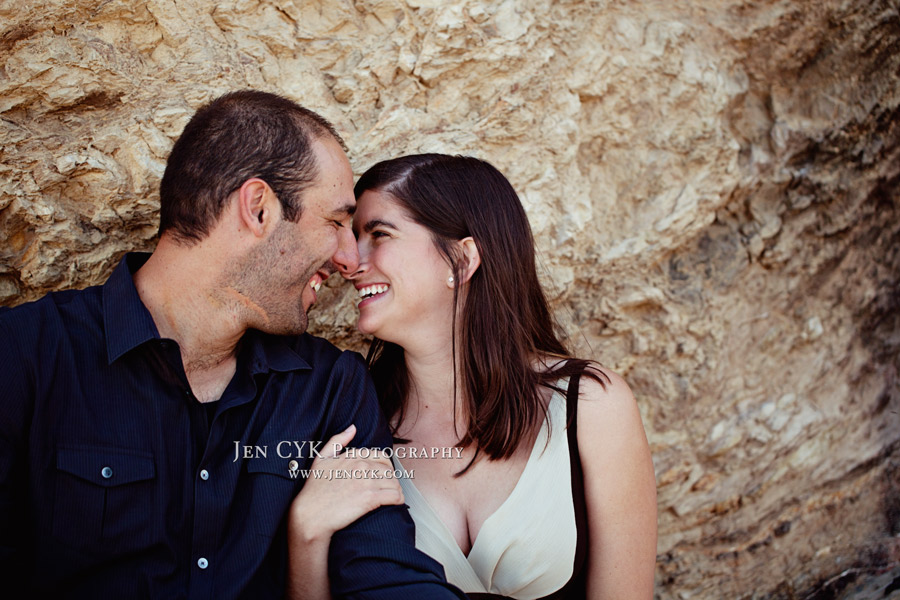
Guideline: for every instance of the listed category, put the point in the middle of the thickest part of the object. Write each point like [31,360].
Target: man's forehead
[332,189]
[330,156]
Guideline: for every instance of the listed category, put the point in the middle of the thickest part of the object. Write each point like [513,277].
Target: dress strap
[576,588]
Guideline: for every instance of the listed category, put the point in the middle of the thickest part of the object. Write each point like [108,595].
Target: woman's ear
[471,259]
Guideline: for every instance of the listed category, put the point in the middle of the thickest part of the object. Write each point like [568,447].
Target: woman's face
[402,279]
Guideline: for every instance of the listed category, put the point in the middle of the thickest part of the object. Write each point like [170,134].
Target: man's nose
[363,266]
[346,259]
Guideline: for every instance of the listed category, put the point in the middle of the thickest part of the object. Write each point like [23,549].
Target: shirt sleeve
[15,409]
[375,557]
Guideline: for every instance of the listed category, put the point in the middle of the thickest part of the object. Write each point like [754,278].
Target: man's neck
[181,293]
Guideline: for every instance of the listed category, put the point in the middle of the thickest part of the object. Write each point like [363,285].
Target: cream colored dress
[526,548]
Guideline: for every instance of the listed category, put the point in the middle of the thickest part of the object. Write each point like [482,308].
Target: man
[152,429]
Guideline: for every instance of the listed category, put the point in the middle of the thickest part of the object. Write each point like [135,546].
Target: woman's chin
[377,332]
[366,329]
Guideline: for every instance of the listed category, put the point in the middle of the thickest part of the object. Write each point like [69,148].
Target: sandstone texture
[713,187]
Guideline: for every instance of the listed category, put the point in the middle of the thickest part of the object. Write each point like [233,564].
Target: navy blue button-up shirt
[115,482]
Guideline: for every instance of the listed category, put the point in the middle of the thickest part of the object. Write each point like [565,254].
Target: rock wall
[713,187]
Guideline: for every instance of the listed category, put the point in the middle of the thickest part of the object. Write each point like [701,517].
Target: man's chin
[288,327]
[303,325]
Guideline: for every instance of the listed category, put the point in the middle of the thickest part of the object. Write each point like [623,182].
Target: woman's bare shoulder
[599,383]
[608,413]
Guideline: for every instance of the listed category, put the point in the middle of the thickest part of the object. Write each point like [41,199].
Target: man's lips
[316,280]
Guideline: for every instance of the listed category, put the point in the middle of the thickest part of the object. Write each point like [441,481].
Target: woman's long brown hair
[505,322]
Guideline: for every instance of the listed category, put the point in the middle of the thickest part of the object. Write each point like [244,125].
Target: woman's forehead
[375,204]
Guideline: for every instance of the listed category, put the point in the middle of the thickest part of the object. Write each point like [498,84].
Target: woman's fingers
[391,496]
[382,496]
[369,471]
[338,442]
[342,489]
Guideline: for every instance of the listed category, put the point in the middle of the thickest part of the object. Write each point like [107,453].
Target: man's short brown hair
[236,137]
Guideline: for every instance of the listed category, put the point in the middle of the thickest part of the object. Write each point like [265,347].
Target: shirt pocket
[104,498]
[277,480]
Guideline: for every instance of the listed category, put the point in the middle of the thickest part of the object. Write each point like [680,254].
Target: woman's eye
[379,234]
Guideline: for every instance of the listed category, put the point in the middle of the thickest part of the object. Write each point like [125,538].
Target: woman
[533,502]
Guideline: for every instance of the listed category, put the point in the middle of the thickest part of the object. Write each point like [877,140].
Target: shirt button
[106,472]
[202,563]
[204,474]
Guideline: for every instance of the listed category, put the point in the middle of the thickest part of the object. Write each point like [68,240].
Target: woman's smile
[371,292]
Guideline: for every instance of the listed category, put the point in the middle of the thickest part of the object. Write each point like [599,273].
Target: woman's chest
[464,502]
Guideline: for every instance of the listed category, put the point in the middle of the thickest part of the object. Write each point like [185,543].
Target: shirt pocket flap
[286,467]
[105,466]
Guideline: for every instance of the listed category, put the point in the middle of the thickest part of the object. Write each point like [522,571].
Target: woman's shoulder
[595,382]
[605,400]
[599,383]
[609,420]
[620,487]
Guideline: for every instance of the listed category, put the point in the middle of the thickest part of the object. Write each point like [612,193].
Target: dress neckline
[540,439]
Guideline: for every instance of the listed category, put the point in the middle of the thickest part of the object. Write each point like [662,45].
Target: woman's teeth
[371,290]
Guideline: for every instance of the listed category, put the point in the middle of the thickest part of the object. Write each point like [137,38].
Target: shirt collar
[271,353]
[127,321]
[128,324]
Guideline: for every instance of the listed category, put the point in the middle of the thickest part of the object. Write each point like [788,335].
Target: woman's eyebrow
[368,227]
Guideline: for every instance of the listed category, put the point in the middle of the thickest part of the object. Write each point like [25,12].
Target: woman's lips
[371,292]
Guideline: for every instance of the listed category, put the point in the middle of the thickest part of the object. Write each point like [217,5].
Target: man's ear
[256,206]
[471,259]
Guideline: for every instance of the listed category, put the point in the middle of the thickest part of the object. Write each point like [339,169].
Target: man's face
[287,267]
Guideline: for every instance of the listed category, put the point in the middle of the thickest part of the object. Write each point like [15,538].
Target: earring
[450,279]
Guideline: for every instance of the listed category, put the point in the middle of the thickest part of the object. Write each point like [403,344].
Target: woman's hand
[332,500]
[328,503]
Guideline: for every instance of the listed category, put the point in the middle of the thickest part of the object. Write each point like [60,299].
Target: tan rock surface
[713,187]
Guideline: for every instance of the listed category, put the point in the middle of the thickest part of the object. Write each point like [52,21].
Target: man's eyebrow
[347,209]
[368,227]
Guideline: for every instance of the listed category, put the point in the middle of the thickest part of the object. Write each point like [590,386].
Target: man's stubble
[267,283]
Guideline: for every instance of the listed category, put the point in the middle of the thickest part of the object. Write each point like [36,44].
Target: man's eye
[338,223]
